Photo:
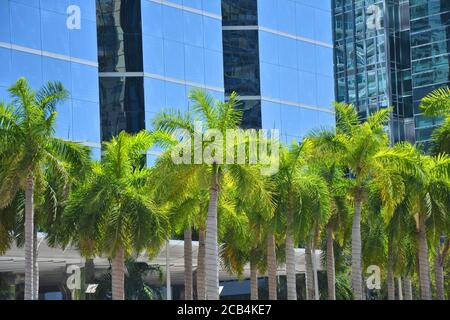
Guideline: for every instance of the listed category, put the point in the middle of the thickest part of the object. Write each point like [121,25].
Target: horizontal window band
[279,33]
[158,77]
[188,9]
[286,102]
[48,54]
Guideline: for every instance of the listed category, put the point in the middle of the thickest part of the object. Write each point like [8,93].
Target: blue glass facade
[182,48]
[151,53]
[279,58]
[46,40]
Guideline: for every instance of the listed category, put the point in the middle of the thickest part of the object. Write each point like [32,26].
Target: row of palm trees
[346,191]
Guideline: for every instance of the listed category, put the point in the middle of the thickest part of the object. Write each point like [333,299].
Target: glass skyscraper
[392,53]
[430,54]
[278,56]
[46,40]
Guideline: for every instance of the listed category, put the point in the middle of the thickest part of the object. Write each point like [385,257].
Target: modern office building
[46,40]
[278,56]
[392,53]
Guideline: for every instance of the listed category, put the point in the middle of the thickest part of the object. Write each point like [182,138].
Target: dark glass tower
[119,32]
[383,54]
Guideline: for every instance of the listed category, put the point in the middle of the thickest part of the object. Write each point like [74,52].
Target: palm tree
[427,201]
[365,151]
[219,117]
[302,197]
[243,239]
[28,150]
[437,104]
[113,213]
[186,205]
[326,160]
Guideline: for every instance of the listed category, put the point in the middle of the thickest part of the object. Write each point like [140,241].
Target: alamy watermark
[234,146]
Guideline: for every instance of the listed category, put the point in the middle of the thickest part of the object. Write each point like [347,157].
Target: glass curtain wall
[55,41]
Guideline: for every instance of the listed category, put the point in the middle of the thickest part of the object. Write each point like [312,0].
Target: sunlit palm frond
[437,103]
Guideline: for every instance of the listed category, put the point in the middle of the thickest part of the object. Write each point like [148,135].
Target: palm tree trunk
[408,289]
[201,277]
[29,239]
[272,266]
[424,266]
[439,274]
[253,278]
[400,289]
[290,258]
[211,249]
[390,272]
[118,275]
[36,268]
[188,264]
[331,273]
[310,295]
[356,250]
[316,277]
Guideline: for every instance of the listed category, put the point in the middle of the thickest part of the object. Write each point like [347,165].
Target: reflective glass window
[270,115]
[27,65]
[213,6]
[270,80]
[173,59]
[290,118]
[57,70]
[59,6]
[5,32]
[195,64]
[83,42]
[305,21]
[306,56]
[322,22]
[307,88]
[63,125]
[197,4]
[153,48]
[193,28]
[268,50]
[5,74]
[324,60]
[213,33]
[287,49]
[325,89]
[86,117]
[173,23]
[155,95]
[152,19]
[286,16]
[213,68]
[26,22]
[176,97]
[308,120]
[266,16]
[239,13]
[55,35]
[289,84]
[84,82]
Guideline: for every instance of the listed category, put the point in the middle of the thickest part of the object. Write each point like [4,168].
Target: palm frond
[437,103]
